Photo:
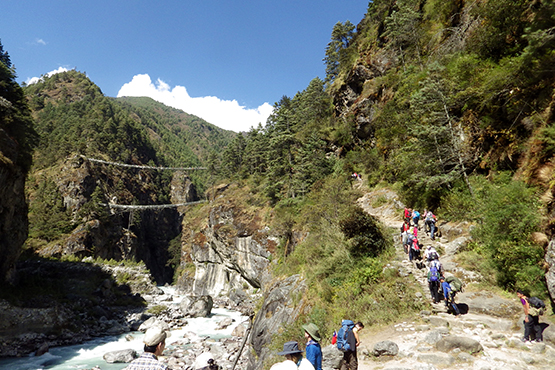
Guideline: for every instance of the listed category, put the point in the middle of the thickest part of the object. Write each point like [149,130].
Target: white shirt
[290,365]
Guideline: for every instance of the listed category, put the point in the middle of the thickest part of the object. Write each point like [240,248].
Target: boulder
[433,337]
[464,344]
[331,357]
[385,348]
[240,330]
[153,321]
[197,306]
[123,356]
[438,359]
[224,323]
[490,304]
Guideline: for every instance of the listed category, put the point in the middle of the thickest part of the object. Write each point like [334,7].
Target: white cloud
[227,114]
[40,41]
[34,80]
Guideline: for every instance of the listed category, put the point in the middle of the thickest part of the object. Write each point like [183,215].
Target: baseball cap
[155,335]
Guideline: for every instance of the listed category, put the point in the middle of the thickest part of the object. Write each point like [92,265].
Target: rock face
[282,304]
[230,252]
[13,208]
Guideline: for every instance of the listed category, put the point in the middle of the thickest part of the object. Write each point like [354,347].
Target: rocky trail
[486,336]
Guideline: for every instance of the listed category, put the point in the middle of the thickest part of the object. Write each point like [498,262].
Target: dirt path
[491,323]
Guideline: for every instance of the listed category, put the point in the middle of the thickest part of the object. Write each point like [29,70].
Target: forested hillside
[75,122]
[450,103]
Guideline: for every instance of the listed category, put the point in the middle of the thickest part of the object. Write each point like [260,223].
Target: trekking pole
[243,344]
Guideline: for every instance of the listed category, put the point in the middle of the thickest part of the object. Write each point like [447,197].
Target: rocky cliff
[13,207]
[109,232]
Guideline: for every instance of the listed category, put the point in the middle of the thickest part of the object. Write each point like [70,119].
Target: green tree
[15,115]
[341,36]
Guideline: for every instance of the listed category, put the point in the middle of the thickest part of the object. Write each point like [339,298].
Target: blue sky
[225,61]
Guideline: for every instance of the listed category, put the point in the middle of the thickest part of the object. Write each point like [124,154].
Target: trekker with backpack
[431,254]
[415,217]
[533,308]
[406,215]
[450,289]
[313,349]
[347,342]
[434,276]
[414,252]
[404,235]
[430,221]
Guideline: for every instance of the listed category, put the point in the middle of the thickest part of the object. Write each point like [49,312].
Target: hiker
[313,349]
[407,214]
[293,358]
[434,276]
[352,339]
[414,252]
[404,235]
[415,217]
[450,286]
[430,221]
[430,254]
[155,342]
[531,318]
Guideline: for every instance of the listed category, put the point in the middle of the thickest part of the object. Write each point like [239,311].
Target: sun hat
[155,335]
[313,330]
[290,348]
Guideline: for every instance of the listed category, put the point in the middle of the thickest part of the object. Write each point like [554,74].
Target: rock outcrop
[13,207]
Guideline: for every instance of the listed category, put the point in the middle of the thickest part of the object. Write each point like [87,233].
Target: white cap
[155,335]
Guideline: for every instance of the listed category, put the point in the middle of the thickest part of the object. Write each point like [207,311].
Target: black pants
[434,290]
[350,361]
[533,327]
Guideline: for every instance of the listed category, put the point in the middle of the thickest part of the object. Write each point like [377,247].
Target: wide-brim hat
[313,330]
[289,348]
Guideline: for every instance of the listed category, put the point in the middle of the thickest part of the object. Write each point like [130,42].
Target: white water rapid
[89,354]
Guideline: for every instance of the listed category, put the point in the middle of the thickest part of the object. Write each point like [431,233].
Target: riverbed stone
[197,306]
[123,356]
[435,358]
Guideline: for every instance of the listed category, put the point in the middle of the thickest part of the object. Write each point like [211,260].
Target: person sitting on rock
[293,358]
[155,342]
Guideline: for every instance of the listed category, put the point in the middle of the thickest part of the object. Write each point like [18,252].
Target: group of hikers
[346,339]
[439,285]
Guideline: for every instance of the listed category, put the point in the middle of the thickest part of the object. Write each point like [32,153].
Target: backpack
[433,256]
[536,302]
[434,274]
[430,217]
[455,283]
[346,327]
[416,214]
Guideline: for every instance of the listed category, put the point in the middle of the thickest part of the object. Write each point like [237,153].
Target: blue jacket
[446,289]
[314,354]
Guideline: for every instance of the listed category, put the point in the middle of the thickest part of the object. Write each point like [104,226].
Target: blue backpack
[346,327]
[416,214]
[434,274]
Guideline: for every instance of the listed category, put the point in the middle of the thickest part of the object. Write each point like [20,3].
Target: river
[89,354]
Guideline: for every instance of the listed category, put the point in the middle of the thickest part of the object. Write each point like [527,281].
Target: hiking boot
[538,340]
[525,340]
